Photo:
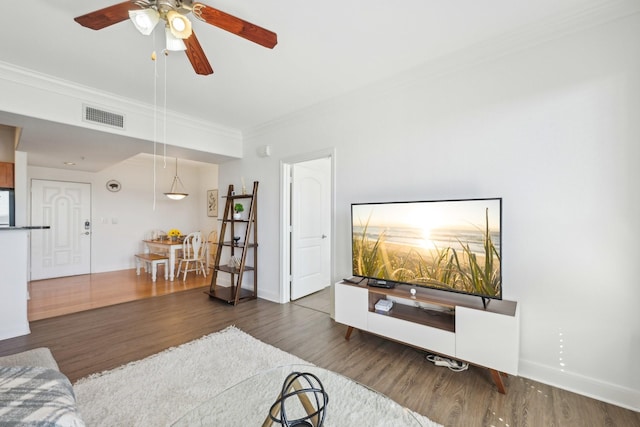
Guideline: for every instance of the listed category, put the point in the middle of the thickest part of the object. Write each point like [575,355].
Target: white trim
[285,197]
[576,383]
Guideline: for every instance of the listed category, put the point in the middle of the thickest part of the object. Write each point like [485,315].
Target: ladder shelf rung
[233,270]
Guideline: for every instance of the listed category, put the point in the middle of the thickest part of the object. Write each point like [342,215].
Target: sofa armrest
[41,357]
[37,396]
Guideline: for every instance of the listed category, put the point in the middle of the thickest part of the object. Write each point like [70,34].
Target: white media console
[449,324]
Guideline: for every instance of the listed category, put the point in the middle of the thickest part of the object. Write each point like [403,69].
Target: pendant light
[177,188]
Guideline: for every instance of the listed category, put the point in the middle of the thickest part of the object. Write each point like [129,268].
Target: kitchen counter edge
[28,227]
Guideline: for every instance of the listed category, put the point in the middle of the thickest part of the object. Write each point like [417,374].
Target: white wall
[554,130]
[120,220]
[7,135]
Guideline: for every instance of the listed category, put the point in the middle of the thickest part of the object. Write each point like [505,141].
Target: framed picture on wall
[212,202]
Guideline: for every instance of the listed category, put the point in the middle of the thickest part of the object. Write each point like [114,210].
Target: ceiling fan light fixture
[173,43]
[144,20]
[179,24]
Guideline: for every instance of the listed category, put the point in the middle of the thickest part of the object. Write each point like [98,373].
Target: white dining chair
[193,253]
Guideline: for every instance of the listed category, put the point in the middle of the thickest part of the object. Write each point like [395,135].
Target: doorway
[65,249]
[307,230]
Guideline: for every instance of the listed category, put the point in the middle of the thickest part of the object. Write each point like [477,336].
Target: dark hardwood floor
[104,338]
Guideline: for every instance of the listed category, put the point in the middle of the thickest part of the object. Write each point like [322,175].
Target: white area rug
[158,390]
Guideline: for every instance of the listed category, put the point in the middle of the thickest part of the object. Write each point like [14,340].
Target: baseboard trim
[269,296]
[607,392]
[13,332]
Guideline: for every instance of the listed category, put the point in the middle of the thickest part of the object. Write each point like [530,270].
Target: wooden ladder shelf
[234,254]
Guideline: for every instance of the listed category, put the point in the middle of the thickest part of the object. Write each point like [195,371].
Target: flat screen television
[449,245]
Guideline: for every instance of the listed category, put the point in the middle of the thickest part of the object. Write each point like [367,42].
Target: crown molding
[92,96]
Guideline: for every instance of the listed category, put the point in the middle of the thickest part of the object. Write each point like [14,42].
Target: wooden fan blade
[196,56]
[102,18]
[235,25]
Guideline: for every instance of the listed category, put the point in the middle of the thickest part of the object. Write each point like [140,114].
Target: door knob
[324,236]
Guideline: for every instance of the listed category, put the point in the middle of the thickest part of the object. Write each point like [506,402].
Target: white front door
[310,227]
[64,249]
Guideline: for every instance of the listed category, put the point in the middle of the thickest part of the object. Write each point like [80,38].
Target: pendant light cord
[176,179]
[164,129]
[155,120]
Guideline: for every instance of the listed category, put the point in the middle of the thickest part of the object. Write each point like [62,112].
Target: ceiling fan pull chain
[164,130]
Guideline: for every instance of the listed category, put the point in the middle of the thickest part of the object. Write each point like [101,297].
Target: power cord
[454,365]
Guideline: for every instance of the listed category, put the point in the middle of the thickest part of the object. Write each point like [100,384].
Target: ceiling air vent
[96,115]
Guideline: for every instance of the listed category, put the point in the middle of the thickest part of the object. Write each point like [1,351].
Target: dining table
[172,247]
[166,246]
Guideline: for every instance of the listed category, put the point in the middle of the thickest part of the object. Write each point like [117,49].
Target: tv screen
[450,245]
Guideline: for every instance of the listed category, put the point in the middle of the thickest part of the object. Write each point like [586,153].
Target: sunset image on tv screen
[448,245]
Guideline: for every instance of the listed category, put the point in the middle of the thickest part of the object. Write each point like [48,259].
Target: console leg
[348,334]
[497,379]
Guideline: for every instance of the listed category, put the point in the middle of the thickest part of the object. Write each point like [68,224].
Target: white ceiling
[325,49]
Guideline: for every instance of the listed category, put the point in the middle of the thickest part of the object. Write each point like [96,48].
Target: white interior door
[65,249]
[310,227]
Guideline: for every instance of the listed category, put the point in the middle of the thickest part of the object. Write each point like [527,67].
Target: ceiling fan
[145,14]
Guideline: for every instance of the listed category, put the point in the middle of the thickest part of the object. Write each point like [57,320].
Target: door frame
[286,166]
